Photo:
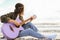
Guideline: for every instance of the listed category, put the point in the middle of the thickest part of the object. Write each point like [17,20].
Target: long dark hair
[19,8]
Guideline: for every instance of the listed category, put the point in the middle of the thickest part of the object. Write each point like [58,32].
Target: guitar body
[9,30]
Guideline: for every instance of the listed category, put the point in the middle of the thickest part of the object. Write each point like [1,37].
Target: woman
[10,18]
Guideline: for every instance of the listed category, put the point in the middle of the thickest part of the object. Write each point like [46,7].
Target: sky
[47,11]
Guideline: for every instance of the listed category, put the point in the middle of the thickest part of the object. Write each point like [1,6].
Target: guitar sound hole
[11,28]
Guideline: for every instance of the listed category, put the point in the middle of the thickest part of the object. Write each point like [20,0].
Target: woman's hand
[32,17]
[14,21]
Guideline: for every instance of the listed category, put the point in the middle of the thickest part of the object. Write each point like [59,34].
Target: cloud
[2,1]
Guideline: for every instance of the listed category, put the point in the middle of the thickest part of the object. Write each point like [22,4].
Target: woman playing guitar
[13,17]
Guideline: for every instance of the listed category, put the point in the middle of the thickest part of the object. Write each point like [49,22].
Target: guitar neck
[33,17]
[24,22]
